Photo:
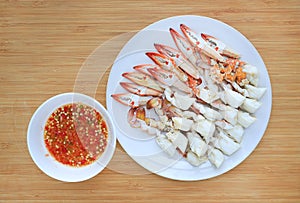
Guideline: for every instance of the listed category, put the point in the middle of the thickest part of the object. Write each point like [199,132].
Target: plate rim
[166,173]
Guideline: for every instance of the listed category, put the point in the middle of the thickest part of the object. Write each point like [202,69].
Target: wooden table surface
[43,45]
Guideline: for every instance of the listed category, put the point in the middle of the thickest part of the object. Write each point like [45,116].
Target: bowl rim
[35,146]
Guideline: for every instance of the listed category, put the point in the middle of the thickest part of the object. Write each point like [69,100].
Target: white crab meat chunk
[250,105]
[245,119]
[181,123]
[159,124]
[183,102]
[251,74]
[205,128]
[255,92]
[150,130]
[208,112]
[236,133]
[207,95]
[225,144]
[212,86]
[224,125]
[232,98]
[189,114]
[178,139]
[230,114]
[240,90]
[197,145]
[215,156]
[195,160]
[165,144]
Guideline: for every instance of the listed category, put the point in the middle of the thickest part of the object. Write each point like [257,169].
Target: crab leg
[167,64]
[169,79]
[179,59]
[140,90]
[132,100]
[219,46]
[142,68]
[200,43]
[142,79]
[185,47]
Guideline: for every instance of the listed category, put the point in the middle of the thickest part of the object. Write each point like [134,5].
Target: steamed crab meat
[169,79]
[197,145]
[185,47]
[180,101]
[215,156]
[207,95]
[236,133]
[245,119]
[131,100]
[197,98]
[167,64]
[200,43]
[220,46]
[195,160]
[140,90]
[205,128]
[207,112]
[166,145]
[142,79]
[179,59]
[250,105]
[255,92]
[224,125]
[143,68]
[232,98]
[251,74]
[224,143]
[240,90]
[228,113]
[182,124]
[178,140]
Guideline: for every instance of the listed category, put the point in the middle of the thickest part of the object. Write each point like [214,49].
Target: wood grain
[42,47]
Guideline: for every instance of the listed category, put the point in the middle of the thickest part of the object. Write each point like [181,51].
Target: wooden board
[42,47]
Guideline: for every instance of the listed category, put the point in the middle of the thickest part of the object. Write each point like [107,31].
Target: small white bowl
[39,152]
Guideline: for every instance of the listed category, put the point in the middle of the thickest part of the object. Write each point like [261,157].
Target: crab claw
[142,68]
[154,102]
[219,46]
[140,90]
[131,100]
[179,59]
[200,43]
[169,79]
[184,46]
[167,64]
[142,79]
[131,118]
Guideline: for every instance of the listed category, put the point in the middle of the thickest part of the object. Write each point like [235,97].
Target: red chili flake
[72,135]
[197,42]
[217,48]
[177,55]
[167,63]
[188,48]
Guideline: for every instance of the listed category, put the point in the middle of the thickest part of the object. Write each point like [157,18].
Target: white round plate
[38,150]
[142,147]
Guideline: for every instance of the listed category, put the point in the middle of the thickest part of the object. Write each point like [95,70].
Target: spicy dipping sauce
[75,134]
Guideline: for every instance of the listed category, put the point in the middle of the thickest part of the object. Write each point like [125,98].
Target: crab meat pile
[203,94]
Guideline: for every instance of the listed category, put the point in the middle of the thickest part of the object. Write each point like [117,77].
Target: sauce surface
[75,134]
